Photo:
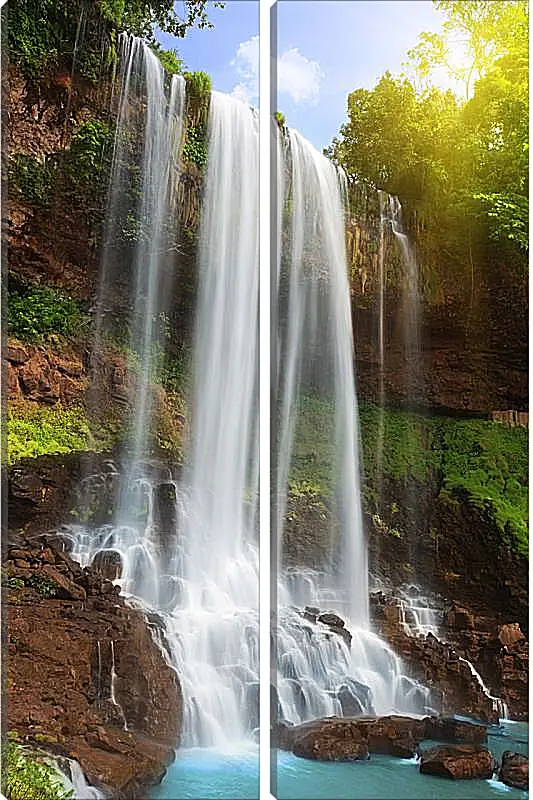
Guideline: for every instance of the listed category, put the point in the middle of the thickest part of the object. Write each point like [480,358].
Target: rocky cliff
[86,678]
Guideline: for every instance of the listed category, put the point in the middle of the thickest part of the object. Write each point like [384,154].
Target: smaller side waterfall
[498,704]
[411,302]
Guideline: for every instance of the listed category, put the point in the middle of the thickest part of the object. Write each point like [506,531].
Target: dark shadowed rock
[108,563]
[448,729]
[514,770]
[457,761]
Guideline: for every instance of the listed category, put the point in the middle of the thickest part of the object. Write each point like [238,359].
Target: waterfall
[188,548]
[215,627]
[318,672]
[411,302]
[316,359]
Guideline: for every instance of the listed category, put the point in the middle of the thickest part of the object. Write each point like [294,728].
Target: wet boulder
[449,729]
[457,761]
[514,770]
[108,563]
[355,698]
[329,740]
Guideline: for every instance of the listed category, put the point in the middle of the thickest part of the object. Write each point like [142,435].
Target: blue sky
[353,42]
[325,49]
[213,51]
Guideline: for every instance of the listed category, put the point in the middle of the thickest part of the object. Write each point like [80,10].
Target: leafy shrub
[195,147]
[198,84]
[42,33]
[29,778]
[87,153]
[34,34]
[34,431]
[44,586]
[280,119]
[35,312]
[34,179]
[170,61]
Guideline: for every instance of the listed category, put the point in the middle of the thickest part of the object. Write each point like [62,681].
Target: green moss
[404,435]
[476,460]
[490,462]
[34,430]
[484,462]
[29,777]
[86,157]
[313,458]
[36,313]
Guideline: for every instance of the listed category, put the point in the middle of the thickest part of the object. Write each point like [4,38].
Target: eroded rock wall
[85,676]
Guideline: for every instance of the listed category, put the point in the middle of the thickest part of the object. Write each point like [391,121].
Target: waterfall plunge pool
[213,774]
[388,778]
[210,773]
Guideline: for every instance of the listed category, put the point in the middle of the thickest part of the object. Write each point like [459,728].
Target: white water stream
[317,672]
[188,549]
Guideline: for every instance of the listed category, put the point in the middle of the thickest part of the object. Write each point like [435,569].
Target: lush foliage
[463,164]
[36,313]
[485,461]
[33,178]
[42,33]
[28,777]
[195,150]
[139,16]
[34,430]
[170,60]
[87,152]
[198,84]
[41,36]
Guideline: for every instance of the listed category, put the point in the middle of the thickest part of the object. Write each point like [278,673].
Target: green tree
[464,164]
[475,33]
[140,17]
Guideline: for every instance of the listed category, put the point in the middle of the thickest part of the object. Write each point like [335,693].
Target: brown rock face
[351,738]
[43,376]
[457,761]
[68,628]
[509,635]
[331,741]
[448,729]
[514,770]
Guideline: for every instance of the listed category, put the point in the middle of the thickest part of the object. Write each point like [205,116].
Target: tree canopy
[452,158]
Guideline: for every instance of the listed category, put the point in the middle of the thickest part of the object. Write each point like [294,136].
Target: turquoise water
[386,778]
[208,774]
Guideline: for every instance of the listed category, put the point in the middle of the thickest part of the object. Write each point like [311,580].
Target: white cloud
[298,76]
[246,64]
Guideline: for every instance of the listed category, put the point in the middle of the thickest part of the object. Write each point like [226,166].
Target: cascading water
[318,673]
[317,358]
[189,549]
[214,628]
